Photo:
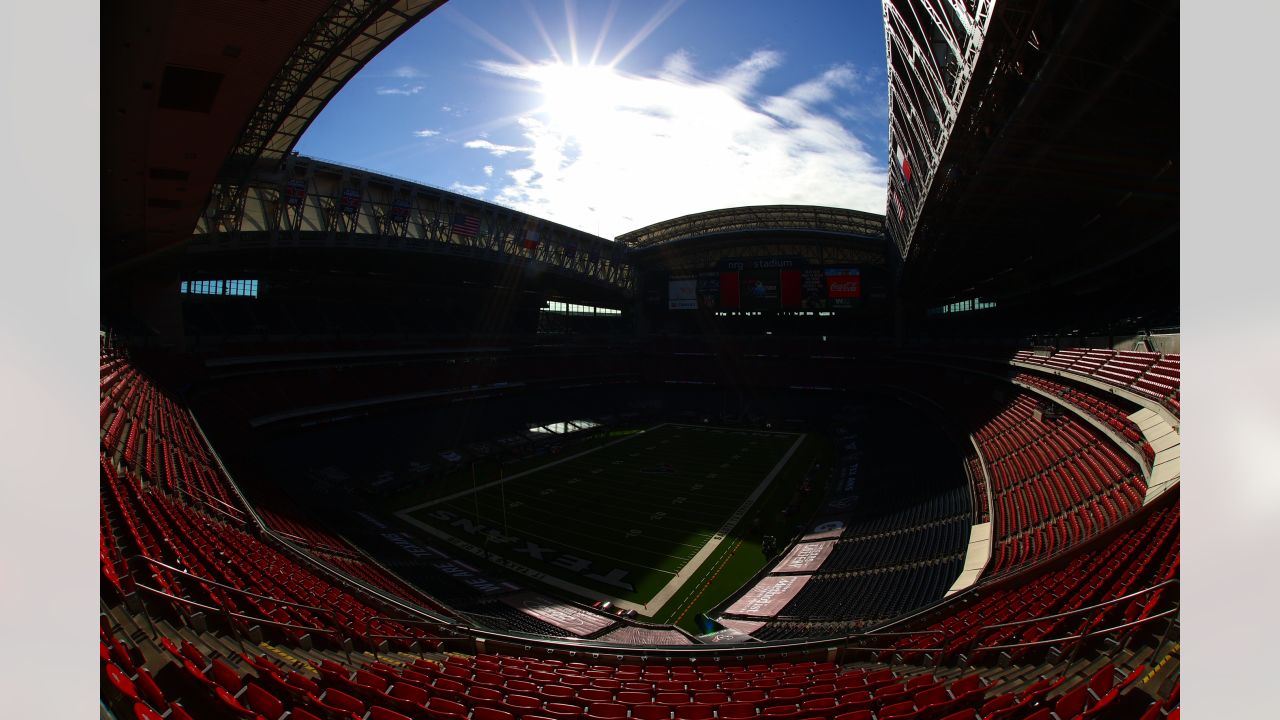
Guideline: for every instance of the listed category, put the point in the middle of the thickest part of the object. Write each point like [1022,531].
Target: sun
[577,98]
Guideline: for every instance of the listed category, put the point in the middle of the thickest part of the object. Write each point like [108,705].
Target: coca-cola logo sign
[844,286]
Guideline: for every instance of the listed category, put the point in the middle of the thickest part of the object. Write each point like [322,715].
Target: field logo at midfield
[534,551]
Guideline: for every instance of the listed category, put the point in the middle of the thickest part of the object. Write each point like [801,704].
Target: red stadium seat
[898,711]
[561,711]
[694,711]
[261,701]
[439,708]
[605,711]
[380,713]
[650,711]
[737,710]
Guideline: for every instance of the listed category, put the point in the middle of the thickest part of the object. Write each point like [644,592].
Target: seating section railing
[1153,375]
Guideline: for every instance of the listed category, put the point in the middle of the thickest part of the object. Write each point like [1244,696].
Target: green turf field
[627,520]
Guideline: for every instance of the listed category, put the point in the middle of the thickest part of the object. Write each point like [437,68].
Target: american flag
[295,192]
[350,201]
[466,225]
[400,210]
[529,236]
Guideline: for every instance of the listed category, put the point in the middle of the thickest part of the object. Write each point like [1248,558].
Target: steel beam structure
[743,219]
[349,34]
[932,49]
[313,203]
[346,37]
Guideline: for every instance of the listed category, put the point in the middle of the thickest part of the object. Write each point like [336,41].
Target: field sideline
[630,521]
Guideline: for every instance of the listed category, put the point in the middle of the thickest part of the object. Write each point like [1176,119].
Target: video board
[766,284]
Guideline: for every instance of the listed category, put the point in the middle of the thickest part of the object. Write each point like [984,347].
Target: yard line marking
[678,579]
[687,572]
[530,471]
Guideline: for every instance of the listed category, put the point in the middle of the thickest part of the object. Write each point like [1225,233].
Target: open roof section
[194,92]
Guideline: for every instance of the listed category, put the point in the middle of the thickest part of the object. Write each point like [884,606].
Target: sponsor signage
[769,596]
[569,618]
[746,627]
[844,285]
[813,290]
[762,263]
[759,289]
[682,293]
[708,290]
[824,530]
[727,636]
[645,636]
[805,557]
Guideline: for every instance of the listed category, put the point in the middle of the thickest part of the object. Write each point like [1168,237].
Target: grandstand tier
[371,450]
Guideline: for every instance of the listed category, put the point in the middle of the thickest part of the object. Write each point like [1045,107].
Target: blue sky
[608,115]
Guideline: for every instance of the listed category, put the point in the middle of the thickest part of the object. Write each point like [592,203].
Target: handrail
[901,632]
[329,613]
[232,588]
[1139,621]
[384,597]
[1085,609]
[208,496]
[242,616]
[325,571]
[239,520]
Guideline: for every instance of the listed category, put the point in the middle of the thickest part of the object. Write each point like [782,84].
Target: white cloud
[402,90]
[476,191]
[488,170]
[494,148]
[406,71]
[426,133]
[608,152]
[744,77]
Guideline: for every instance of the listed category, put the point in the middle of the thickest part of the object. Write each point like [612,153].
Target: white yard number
[658,515]
[678,501]
[633,532]
[696,486]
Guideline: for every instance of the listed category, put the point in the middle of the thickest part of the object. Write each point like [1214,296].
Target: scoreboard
[766,284]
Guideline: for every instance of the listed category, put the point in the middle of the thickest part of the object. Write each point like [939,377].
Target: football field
[631,521]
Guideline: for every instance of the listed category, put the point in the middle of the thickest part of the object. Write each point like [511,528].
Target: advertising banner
[805,557]
[791,289]
[729,298]
[569,618]
[844,285]
[709,290]
[682,293]
[769,596]
[813,290]
[759,289]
